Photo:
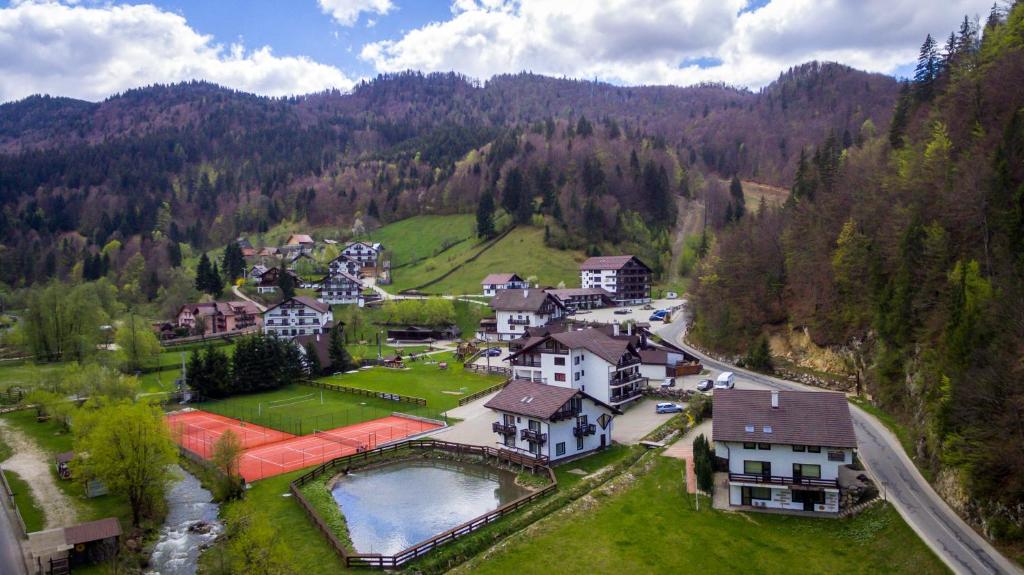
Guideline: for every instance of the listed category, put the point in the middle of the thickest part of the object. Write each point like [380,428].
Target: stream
[191,523]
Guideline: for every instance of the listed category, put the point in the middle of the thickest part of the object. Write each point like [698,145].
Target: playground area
[269,452]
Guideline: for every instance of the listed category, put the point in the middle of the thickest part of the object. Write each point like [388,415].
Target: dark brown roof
[65,457]
[522,300]
[321,344]
[654,356]
[608,262]
[500,279]
[596,341]
[802,418]
[92,531]
[564,293]
[305,300]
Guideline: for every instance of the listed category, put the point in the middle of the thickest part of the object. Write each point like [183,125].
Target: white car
[725,380]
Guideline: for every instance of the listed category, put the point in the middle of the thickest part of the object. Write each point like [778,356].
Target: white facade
[605,279]
[513,324]
[341,288]
[575,435]
[494,288]
[583,370]
[364,253]
[294,317]
[345,264]
[796,478]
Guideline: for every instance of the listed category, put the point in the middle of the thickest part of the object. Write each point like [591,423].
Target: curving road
[955,542]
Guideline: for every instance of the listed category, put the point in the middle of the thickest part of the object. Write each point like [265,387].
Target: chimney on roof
[629,328]
[615,329]
[526,292]
[775,399]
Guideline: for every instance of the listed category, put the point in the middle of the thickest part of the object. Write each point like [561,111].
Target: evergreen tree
[372,210]
[927,69]
[485,215]
[661,208]
[340,358]
[174,253]
[286,283]
[234,262]
[583,127]
[313,367]
[203,273]
[738,201]
[900,118]
[216,283]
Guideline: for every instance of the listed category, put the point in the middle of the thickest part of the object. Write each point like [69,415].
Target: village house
[604,366]
[344,263]
[256,272]
[300,243]
[270,279]
[299,315]
[583,298]
[495,282]
[783,449]
[341,288]
[219,317]
[625,277]
[516,310]
[550,422]
[364,253]
[659,362]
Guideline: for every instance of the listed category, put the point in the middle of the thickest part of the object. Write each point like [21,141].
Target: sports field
[300,409]
[269,452]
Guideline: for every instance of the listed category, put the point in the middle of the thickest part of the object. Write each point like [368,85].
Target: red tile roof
[802,418]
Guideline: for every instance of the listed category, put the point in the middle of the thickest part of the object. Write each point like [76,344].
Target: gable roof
[320,344]
[802,418]
[532,399]
[373,246]
[299,239]
[522,300]
[92,531]
[609,262]
[305,300]
[595,341]
[500,278]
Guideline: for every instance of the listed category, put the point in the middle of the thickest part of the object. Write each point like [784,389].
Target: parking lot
[637,313]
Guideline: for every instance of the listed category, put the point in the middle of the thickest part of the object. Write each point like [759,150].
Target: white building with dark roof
[496,282]
[550,422]
[516,310]
[299,315]
[626,277]
[783,448]
[603,366]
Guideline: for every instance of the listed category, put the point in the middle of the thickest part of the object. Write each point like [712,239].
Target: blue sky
[91,49]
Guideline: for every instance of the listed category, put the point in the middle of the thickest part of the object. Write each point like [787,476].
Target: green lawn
[590,464]
[302,409]
[652,527]
[420,237]
[27,373]
[522,251]
[421,380]
[30,511]
[369,351]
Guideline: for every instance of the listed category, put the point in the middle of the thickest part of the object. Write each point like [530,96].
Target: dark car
[493,352]
[705,385]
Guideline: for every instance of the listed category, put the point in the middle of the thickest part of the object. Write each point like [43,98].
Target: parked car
[705,385]
[668,382]
[623,311]
[725,380]
[668,408]
[659,315]
[671,295]
[647,306]
[493,352]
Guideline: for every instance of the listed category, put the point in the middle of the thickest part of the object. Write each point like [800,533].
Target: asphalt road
[955,542]
[11,562]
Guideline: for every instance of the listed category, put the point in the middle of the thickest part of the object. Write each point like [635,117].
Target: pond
[395,506]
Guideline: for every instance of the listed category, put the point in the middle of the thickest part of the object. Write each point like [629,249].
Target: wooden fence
[483,393]
[366,392]
[204,338]
[489,370]
[379,561]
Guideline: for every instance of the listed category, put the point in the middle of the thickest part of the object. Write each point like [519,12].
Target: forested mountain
[198,164]
[905,252]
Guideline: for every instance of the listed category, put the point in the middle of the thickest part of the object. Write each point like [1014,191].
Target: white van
[725,380]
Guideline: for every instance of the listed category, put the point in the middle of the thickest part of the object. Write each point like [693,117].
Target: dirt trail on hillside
[33,465]
[690,221]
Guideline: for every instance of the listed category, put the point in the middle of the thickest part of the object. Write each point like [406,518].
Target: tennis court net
[360,444]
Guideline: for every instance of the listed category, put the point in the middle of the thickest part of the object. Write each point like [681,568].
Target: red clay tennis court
[269,452]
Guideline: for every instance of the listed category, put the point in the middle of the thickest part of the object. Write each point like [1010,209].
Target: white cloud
[652,41]
[92,52]
[346,12]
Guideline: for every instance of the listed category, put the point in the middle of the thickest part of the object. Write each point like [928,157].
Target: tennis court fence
[366,392]
[281,420]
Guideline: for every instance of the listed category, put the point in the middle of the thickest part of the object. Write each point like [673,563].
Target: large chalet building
[365,253]
[602,365]
[299,315]
[550,422]
[340,288]
[494,283]
[626,278]
[515,310]
[783,448]
[219,317]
